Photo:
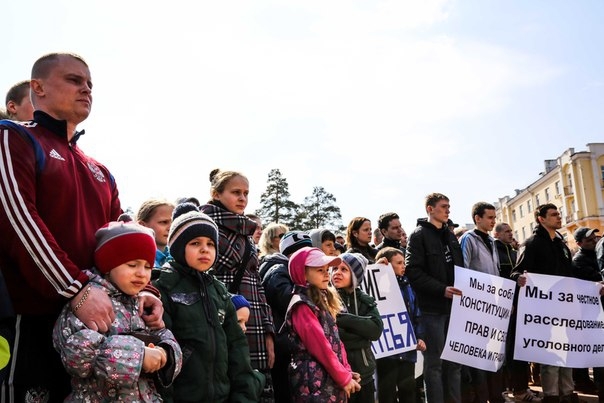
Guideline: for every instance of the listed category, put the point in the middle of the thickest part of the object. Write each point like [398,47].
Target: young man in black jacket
[389,224]
[432,254]
[546,253]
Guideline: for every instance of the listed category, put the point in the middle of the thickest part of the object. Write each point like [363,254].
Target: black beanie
[189,223]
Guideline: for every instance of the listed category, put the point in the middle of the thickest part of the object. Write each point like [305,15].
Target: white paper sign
[398,336]
[560,322]
[479,321]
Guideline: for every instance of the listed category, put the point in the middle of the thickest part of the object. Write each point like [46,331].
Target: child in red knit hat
[123,363]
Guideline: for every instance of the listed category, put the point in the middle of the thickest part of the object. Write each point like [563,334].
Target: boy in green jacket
[198,309]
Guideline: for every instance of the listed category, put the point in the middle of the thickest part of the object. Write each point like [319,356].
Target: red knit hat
[119,242]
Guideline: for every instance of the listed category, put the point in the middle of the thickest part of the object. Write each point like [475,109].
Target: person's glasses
[279,236]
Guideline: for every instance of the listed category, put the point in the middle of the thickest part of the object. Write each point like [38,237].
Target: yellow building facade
[574,182]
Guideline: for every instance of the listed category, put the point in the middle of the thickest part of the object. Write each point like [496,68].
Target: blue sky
[379,102]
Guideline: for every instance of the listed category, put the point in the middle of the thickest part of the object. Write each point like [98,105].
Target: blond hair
[219,180]
[266,239]
[147,209]
[327,300]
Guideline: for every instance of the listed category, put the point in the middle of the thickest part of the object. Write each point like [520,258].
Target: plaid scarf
[235,233]
[235,230]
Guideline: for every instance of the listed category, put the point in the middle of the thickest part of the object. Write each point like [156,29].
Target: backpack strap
[23,132]
[234,287]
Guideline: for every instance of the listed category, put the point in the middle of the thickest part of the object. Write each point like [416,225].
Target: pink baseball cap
[312,257]
[316,258]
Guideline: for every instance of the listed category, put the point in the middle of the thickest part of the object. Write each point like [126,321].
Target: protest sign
[479,320]
[398,336]
[560,322]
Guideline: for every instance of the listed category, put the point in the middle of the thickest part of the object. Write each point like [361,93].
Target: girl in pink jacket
[319,370]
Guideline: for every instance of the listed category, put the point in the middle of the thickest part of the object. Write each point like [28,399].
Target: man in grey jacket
[480,254]
[478,247]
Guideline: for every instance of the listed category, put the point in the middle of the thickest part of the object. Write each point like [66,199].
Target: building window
[516,235]
[532,226]
[557,187]
[529,206]
[602,175]
[547,195]
[537,201]
[521,211]
[523,234]
[514,215]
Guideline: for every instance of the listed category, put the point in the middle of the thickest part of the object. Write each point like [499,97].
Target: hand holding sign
[479,320]
[451,291]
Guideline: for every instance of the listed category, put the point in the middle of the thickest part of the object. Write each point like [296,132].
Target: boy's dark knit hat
[118,242]
[189,223]
[240,302]
[293,241]
[357,264]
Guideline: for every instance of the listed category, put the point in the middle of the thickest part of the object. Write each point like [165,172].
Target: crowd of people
[197,302]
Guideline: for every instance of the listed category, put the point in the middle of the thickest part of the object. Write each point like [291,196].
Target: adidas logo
[55,154]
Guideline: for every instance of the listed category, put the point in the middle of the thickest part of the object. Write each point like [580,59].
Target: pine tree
[320,210]
[297,220]
[275,205]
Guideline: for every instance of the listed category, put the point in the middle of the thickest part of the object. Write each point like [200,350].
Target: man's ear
[10,108]
[429,209]
[383,231]
[36,87]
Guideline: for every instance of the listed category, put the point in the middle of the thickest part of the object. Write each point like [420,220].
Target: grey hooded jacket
[477,255]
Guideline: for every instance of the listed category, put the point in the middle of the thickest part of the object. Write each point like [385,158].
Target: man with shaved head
[54,199]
